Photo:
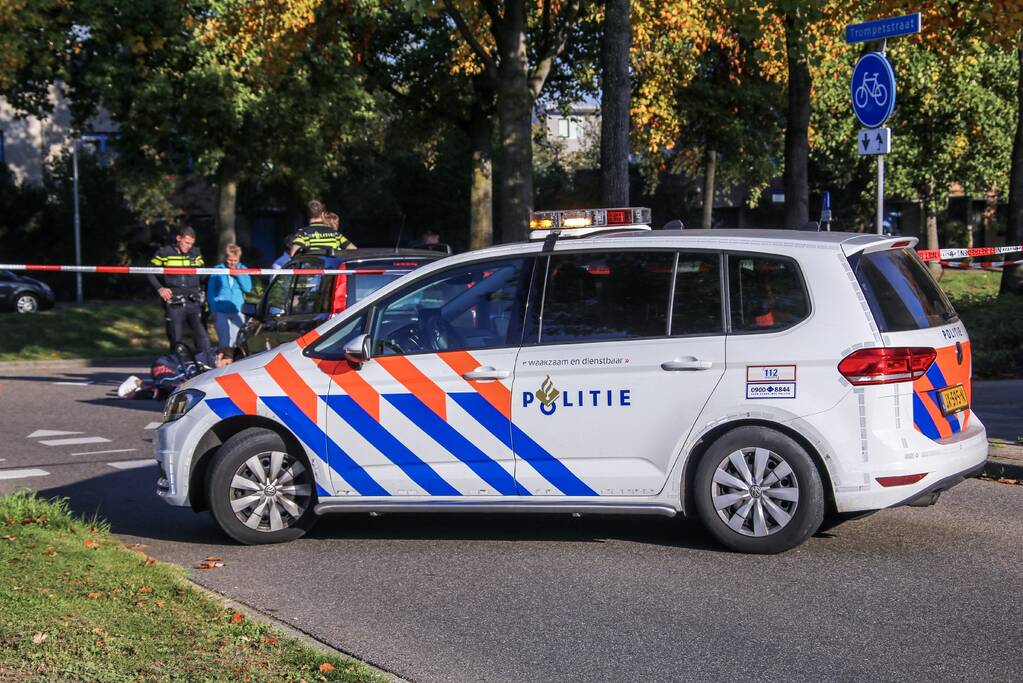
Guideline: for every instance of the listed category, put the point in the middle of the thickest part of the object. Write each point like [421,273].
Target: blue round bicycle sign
[873,90]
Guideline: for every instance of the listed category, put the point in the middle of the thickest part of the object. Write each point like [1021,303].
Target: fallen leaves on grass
[237,618]
[145,589]
[89,543]
[49,552]
[210,563]
[326,667]
[95,595]
[9,537]
[39,638]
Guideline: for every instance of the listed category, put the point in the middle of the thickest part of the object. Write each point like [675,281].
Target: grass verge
[92,331]
[993,322]
[79,605]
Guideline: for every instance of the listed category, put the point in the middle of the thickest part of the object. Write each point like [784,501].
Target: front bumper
[174,446]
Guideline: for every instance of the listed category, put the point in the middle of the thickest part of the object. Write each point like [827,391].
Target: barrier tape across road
[940,255]
[165,270]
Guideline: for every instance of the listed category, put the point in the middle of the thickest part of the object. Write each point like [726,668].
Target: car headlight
[180,403]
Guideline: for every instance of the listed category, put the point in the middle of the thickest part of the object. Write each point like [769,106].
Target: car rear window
[900,291]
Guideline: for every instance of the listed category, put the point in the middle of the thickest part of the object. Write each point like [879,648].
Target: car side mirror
[249,309]
[358,350]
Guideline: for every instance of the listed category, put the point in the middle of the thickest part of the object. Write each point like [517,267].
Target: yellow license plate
[953,399]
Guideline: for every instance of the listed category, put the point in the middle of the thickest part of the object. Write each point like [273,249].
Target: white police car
[758,380]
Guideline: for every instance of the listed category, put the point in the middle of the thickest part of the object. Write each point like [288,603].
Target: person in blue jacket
[226,294]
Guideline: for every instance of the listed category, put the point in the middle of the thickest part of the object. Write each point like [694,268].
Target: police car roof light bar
[581,222]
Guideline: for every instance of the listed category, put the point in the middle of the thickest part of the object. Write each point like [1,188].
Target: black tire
[26,302]
[770,524]
[232,459]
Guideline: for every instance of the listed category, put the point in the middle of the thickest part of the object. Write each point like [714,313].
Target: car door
[261,333]
[7,285]
[429,414]
[307,304]
[615,368]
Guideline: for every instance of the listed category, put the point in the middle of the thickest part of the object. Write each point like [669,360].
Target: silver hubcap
[26,304]
[270,491]
[755,491]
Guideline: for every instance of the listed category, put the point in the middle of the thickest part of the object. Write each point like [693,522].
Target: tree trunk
[990,219]
[614,105]
[227,202]
[709,170]
[797,144]
[514,110]
[1012,277]
[481,192]
[932,237]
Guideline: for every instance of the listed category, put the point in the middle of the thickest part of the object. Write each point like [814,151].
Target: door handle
[687,363]
[485,372]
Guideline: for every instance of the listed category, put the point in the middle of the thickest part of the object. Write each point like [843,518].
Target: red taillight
[903,480]
[899,245]
[340,300]
[886,365]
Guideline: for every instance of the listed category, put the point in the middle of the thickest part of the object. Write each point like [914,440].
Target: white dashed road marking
[153,425]
[132,464]
[39,433]
[76,441]
[20,474]
[74,384]
[116,450]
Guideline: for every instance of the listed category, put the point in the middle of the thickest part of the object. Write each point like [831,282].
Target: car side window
[696,305]
[476,306]
[766,293]
[306,293]
[277,295]
[332,344]
[606,295]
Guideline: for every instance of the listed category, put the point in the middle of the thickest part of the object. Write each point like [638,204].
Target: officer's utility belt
[185,298]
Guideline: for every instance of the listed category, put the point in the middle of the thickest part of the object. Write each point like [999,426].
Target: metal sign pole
[880,194]
[79,298]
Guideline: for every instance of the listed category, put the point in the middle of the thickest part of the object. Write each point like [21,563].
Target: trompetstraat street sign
[873,89]
[874,141]
[883,28]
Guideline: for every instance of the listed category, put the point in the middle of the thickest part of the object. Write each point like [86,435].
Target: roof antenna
[400,230]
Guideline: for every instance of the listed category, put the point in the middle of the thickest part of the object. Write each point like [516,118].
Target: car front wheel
[758,491]
[26,303]
[258,491]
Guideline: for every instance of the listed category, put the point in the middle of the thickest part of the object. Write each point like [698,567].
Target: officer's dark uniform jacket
[320,236]
[168,257]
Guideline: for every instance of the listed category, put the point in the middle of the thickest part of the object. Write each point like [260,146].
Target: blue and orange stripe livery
[425,405]
[946,371]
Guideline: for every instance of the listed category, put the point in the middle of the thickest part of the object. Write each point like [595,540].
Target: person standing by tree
[226,296]
[182,295]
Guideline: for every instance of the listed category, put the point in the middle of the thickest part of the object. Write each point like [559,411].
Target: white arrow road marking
[153,425]
[132,464]
[48,432]
[74,441]
[75,384]
[19,474]
[116,450]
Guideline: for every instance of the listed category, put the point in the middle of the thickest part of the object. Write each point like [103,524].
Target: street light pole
[79,298]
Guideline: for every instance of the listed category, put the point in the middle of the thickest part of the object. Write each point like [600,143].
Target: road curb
[292,631]
[1002,469]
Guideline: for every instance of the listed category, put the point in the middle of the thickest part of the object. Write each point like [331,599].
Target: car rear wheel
[258,491]
[26,303]
[758,491]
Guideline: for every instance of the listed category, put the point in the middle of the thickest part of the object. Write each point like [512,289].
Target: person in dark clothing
[182,295]
[169,372]
[319,234]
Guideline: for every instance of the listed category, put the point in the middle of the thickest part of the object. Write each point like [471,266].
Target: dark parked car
[24,294]
[294,304]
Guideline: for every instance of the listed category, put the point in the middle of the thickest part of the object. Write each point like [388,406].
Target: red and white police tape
[166,270]
[940,255]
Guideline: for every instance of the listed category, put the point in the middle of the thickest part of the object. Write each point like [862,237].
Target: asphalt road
[925,593]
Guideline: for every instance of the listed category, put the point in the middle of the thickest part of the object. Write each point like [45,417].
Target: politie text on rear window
[900,291]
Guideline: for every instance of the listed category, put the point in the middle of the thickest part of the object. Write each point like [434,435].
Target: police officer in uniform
[182,294]
[319,234]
